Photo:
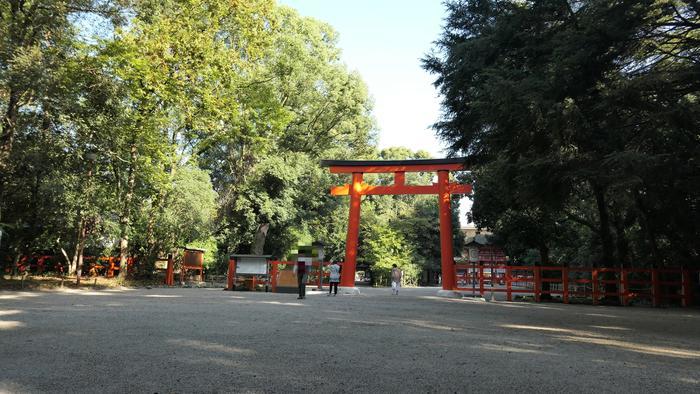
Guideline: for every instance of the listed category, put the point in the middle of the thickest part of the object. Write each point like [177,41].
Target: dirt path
[208,340]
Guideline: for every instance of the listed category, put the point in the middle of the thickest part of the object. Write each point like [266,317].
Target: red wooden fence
[656,285]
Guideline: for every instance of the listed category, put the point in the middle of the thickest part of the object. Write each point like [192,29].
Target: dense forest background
[581,122]
[137,128]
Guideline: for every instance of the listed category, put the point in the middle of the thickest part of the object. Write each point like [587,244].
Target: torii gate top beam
[384,166]
[398,167]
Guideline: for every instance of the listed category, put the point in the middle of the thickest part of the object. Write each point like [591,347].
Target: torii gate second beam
[443,188]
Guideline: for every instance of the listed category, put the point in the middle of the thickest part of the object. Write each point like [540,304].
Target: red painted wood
[446,256]
[396,168]
[365,189]
[231,274]
[169,272]
[347,277]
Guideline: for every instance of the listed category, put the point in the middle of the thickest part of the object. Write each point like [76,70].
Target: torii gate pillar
[443,188]
[347,276]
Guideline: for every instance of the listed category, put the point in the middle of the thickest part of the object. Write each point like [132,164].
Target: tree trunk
[76,262]
[125,218]
[7,129]
[7,136]
[544,258]
[259,241]
[647,227]
[79,252]
[621,242]
[604,229]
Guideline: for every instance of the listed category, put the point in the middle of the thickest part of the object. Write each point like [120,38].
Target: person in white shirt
[334,269]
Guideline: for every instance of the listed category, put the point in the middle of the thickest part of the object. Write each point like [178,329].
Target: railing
[657,285]
[92,265]
[316,276]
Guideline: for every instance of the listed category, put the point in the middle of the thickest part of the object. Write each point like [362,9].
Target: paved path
[207,340]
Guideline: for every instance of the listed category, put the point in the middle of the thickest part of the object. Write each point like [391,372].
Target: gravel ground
[208,340]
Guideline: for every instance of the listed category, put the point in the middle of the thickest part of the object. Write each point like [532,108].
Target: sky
[384,41]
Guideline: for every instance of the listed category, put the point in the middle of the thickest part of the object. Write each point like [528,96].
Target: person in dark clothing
[301,278]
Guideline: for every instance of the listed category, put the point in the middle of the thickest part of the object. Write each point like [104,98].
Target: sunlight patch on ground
[600,315]
[446,299]
[18,296]
[431,325]
[280,303]
[613,328]
[689,380]
[84,292]
[511,304]
[635,347]
[361,322]
[597,339]
[338,312]
[12,387]
[222,362]
[10,312]
[162,296]
[11,324]
[210,346]
[511,349]
[555,330]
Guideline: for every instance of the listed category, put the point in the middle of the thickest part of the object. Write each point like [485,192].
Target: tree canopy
[580,120]
[137,128]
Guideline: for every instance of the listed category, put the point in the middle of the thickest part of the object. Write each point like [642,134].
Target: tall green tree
[578,103]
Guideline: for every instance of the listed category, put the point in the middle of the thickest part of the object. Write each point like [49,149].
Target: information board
[251,265]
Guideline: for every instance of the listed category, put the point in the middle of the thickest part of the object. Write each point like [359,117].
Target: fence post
[509,286]
[565,284]
[169,273]
[481,280]
[655,288]
[538,284]
[687,291]
[231,274]
[273,279]
[596,290]
[454,275]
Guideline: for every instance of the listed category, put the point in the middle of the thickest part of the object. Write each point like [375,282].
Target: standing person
[335,270]
[395,279]
[301,278]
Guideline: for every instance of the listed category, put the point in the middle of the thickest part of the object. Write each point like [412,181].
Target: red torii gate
[443,188]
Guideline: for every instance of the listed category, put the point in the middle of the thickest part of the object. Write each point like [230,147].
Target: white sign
[251,265]
[473,254]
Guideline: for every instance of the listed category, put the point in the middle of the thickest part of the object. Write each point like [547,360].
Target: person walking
[301,278]
[395,279]
[334,279]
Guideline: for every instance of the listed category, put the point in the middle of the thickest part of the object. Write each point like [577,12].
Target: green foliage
[142,127]
[580,119]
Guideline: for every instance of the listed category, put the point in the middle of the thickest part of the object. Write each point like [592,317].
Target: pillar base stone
[348,290]
[449,294]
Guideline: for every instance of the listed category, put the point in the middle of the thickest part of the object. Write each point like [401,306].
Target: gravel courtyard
[208,340]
